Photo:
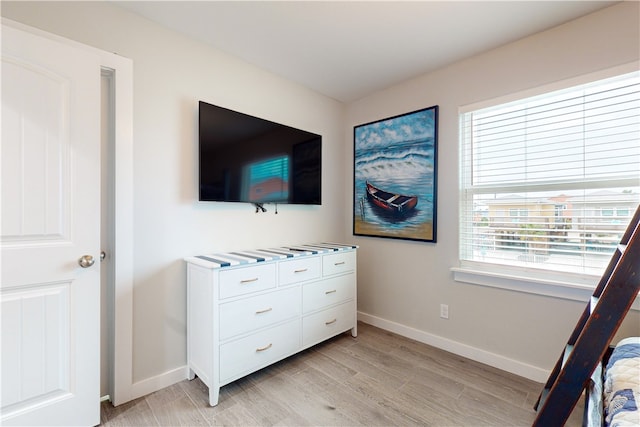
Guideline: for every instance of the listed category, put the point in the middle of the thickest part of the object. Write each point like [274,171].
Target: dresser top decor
[229,259]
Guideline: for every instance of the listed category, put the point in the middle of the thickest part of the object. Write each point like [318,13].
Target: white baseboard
[149,385]
[158,382]
[497,361]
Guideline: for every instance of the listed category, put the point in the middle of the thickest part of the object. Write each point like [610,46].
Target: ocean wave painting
[395,171]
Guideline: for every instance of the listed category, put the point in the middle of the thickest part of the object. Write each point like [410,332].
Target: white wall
[402,284]
[171,73]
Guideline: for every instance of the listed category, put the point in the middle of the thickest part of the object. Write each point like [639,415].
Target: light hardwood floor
[376,379]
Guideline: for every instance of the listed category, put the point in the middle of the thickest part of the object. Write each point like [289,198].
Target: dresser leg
[191,375]
[354,331]
[214,393]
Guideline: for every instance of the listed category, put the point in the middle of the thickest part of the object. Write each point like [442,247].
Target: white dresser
[249,309]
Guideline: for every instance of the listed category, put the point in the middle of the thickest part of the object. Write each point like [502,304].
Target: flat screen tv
[248,159]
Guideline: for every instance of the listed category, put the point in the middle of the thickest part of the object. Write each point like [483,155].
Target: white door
[50,219]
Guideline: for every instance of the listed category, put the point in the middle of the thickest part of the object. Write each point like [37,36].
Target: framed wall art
[395,176]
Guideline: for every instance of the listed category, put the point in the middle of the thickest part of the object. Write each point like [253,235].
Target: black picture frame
[395,176]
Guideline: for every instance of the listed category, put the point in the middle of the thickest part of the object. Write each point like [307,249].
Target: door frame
[121,378]
[121,318]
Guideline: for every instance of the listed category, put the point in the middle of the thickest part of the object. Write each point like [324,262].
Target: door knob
[86,261]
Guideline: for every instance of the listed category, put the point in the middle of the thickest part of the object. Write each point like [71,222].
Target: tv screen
[248,159]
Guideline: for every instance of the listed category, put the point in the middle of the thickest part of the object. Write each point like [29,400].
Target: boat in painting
[396,204]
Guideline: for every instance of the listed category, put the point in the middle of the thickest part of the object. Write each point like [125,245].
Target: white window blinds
[551,182]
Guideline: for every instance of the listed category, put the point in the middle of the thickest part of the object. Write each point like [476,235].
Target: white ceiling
[349,49]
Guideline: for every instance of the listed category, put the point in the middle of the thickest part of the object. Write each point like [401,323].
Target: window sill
[578,288]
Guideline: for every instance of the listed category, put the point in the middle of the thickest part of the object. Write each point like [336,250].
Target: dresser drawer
[258,350]
[325,324]
[328,292]
[256,312]
[338,263]
[299,270]
[240,281]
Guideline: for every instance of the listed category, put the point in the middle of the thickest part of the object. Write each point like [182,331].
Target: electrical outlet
[444,311]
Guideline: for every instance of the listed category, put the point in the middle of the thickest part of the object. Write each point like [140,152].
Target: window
[518,214]
[623,212]
[550,182]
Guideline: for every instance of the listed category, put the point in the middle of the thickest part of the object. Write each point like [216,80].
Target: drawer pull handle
[255,279]
[330,322]
[339,263]
[264,348]
[302,270]
[266,310]
[330,292]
